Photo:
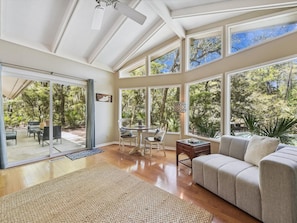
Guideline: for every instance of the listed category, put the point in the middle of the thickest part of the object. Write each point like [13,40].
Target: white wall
[104,81]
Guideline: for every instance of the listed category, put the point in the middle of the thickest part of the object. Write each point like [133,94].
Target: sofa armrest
[278,186]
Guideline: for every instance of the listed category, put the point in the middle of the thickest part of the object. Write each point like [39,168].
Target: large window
[204,113]
[162,100]
[133,104]
[248,34]
[165,62]
[204,48]
[135,70]
[264,101]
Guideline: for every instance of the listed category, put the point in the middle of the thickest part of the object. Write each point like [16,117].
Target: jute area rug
[99,194]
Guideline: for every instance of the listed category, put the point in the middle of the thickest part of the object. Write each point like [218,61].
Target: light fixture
[122,8]
[180,107]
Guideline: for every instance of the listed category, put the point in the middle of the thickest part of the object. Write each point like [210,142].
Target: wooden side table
[192,150]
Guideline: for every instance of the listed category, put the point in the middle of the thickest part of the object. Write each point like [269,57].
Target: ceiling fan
[117,5]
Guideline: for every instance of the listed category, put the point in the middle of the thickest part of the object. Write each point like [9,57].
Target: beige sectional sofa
[265,188]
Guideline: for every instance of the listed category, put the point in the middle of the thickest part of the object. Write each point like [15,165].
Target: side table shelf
[192,150]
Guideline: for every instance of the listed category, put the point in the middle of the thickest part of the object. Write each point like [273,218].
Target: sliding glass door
[69,118]
[24,107]
[42,118]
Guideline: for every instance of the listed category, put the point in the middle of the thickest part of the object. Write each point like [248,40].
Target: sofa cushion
[233,146]
[210,165]
[197,167]
[259,147]
[248,196]
[227,179]
[278,186]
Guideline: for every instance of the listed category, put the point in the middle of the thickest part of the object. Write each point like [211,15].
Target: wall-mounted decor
[103,97]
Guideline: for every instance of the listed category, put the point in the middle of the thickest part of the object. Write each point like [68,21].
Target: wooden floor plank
[159,170]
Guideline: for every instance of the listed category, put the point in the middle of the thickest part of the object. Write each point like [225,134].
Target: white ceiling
[63,27]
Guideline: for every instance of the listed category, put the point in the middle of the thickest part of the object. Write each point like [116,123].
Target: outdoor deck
[28,147]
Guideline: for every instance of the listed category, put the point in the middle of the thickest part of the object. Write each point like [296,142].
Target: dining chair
[125,135]
[158,138]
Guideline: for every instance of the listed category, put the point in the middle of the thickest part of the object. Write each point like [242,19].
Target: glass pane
[162,107]
[133,105]
[26,104]
[138,72]
[263,102]
[69,115]
[204,50]
[205,108]
[247,38]
[167,63]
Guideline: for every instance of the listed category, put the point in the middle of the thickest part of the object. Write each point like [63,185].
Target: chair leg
[119,143]
[164,149]
[121,146]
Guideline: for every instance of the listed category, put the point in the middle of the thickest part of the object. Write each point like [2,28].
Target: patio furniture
[44,135]
[125,135]
[11,135]
[158,138]
[33,126]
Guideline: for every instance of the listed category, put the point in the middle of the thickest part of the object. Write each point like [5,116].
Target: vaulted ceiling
[63,27]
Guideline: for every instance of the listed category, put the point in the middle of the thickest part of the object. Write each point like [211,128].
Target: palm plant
[252,123]
[278,128]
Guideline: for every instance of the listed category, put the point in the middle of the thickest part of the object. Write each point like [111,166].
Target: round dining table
[139,129]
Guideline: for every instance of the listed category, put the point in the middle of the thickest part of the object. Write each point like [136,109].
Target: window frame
[187,99]
[120,100]
[163,51]
[124,73]
[227,87]
[258,23]
[200,35]
[149,100]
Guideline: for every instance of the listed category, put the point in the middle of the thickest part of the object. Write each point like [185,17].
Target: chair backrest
[56,132]
[45,134]
[162,130]
[123,123]
[33,123]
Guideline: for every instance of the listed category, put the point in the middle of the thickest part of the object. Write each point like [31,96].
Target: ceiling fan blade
[98,18]
[131,13]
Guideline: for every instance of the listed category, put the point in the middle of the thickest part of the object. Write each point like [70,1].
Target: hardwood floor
[159,170]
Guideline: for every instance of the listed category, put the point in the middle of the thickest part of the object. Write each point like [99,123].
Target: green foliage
[133,105]
[251,122]
[205,108]
[138,72]
[269,96]
[69,105]
[205,128]
[205,50]
[162,107]
[167,63]
[278,127]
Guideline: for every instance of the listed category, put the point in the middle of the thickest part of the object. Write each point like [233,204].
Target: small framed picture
[103,97]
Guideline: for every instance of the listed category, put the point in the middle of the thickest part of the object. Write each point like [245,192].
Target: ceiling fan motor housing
[108,2]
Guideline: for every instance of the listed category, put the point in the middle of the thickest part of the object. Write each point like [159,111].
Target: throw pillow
[259,147]
[125,132]
[158,135]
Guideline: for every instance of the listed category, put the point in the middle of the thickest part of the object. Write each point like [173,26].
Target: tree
[69,105]
[205,50]
[205,108]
